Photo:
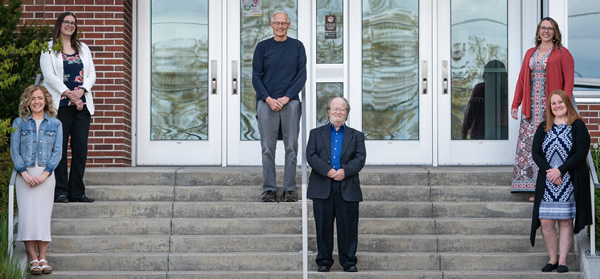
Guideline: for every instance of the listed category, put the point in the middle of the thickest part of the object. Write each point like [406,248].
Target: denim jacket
[48,149]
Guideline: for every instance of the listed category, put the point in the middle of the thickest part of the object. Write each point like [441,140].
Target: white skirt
[34,207]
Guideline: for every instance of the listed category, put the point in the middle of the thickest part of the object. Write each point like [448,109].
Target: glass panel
[179,70]
[326,91]
[330,27]
[583,37]
[478,69]
[390,69]
[253,30]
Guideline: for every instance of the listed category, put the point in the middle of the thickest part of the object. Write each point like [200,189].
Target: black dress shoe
[62,199]
[549,267]
[323,268]
[82,199]
[562,269]
[351,268]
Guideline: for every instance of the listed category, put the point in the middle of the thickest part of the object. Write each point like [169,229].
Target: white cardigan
[52,69]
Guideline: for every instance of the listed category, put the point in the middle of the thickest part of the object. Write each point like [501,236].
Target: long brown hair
[572,114]
[25,110]
[557,38]
[56,32]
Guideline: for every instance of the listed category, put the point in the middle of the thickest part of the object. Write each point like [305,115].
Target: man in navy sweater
[278,75]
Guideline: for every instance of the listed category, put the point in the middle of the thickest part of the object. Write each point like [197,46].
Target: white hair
[280,12]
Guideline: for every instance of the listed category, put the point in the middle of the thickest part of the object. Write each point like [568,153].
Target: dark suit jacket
[318,154]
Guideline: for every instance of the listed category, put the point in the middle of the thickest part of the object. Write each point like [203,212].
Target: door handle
[213,76]
[424,75]
[234,77]
[445,76]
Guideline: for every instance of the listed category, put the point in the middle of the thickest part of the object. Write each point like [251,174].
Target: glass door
[249,23]
[179,90]
[390,79]
[472,82]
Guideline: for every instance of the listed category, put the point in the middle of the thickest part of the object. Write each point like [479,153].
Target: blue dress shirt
[337,138]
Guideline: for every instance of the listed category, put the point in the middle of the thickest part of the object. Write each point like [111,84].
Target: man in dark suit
[336,154]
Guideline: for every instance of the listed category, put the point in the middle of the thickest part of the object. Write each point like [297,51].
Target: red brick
[95,8]
[51,8]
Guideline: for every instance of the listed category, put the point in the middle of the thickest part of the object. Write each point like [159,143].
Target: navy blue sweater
[279,69]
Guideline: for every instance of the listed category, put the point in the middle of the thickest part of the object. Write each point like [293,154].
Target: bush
[6,165]
[20,48]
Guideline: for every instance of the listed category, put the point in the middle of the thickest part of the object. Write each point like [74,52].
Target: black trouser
[76,124]
[345,215]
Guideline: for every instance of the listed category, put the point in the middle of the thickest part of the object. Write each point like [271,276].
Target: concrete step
[284,225]
[387,261]
[362,274]
[483,225]
[292,243]
[370,175]
[110,226]
[488,243]
[145,262]
[107,209]
[479,209]
[499,261]
[252,193]
[131,192]
[521,274]
[109,243]
[236,243]
[475,194]
[273,261]
[106,274]
[260,209]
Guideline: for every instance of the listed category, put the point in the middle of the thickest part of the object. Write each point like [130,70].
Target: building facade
[429,82]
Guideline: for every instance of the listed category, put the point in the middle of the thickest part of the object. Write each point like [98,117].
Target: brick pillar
[106,27]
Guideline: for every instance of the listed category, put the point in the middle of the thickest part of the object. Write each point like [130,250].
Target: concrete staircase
[416,222]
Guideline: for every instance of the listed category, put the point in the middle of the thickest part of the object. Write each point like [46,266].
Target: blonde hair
[25,110]
[572,114]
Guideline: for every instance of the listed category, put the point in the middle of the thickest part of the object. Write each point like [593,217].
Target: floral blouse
[73,76]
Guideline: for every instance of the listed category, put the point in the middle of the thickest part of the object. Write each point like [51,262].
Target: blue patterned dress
[525,170]
[558,202]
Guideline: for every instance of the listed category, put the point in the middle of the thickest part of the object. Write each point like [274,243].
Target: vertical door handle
[445,76]
[234,77]
[213,76]
[424,75]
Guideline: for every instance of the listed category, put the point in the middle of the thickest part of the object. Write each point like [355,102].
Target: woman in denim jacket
[36,149]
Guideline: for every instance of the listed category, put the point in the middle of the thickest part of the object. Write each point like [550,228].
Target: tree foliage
[20,48]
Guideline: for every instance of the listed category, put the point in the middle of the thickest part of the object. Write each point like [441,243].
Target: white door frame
[175,152]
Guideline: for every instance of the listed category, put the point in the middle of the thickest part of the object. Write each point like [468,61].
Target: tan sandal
[35,270]
[46,269]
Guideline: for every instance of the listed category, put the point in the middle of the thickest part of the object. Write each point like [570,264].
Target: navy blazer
[318,154]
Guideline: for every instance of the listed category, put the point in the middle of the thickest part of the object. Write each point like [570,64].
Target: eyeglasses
[544,28]
[277,23]
[338,109]
[67,23]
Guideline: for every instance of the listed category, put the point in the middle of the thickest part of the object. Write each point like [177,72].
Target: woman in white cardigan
[69,75]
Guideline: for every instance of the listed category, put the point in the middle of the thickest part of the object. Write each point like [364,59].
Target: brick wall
[105,26]
[591,116]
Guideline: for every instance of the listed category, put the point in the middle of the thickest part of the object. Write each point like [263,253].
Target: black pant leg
[65,115]
[324,217]
[347,227]
[79,141]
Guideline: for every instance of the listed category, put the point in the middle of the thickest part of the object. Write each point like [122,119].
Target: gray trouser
[268,127]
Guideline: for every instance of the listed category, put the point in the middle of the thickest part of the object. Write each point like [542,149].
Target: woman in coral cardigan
[546,67]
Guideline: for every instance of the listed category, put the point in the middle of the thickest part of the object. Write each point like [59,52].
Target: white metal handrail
[593,185]
[11,213]
[304,187]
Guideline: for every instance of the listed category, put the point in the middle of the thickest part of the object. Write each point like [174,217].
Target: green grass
[9,267]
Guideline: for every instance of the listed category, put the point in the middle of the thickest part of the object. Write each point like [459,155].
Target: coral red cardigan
[560,72]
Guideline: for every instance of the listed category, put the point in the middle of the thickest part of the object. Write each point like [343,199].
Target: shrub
[6,165]
[9,267]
